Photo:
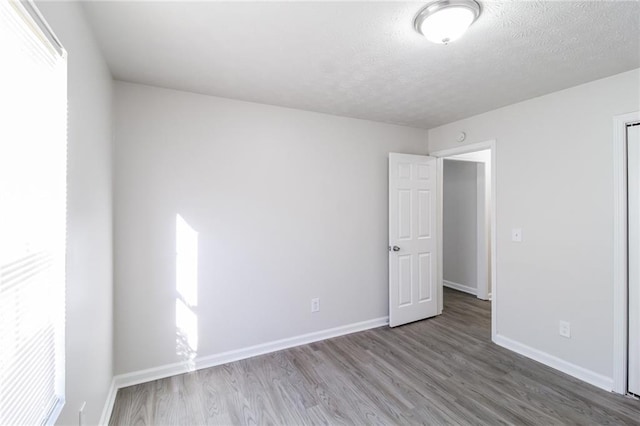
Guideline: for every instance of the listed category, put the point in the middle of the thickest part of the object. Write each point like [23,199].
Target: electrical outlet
[564,328]
[315,304]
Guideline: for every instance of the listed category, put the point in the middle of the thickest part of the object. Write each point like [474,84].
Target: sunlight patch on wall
[187,292]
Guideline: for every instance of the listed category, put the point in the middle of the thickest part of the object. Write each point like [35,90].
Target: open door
[413,248]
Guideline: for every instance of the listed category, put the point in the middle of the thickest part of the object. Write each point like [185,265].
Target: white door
[412,238]
[633,149]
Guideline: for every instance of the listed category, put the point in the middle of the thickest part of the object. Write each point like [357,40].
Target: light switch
[516,235]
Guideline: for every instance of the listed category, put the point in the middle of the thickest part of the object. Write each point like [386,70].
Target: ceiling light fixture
[443,21]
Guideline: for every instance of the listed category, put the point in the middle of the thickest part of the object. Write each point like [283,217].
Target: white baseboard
[168,370]
[109,402]
[576,371]
[460,287]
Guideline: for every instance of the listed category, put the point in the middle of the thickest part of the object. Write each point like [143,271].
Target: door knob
[396,248]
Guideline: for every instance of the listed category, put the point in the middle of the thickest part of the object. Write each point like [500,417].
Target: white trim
[38,20]
[168,370]
[108,404]
[620,319]
[482,231]
[439,233]
[591,377]
[55,412]
[463,149]
[467,160]
[460,287]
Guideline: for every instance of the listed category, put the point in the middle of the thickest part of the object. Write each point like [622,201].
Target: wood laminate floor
[444,370]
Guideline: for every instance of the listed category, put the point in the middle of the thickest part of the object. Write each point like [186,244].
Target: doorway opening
[466,208]
[466,222]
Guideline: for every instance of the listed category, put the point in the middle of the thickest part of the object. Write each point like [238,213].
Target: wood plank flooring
[444,370]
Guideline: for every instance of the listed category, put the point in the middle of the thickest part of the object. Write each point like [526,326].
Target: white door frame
[620,282]
[463,149]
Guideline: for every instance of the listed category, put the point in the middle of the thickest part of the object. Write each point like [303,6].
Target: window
[32,217]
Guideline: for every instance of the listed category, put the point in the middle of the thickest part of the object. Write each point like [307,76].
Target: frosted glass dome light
[444,21]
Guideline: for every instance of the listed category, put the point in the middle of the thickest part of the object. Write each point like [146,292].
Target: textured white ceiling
[363,59]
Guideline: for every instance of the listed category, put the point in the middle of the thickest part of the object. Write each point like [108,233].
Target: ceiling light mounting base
[443,21]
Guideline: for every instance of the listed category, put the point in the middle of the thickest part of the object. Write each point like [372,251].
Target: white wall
[288,205]
[460,229]
[89,232]
[555,180]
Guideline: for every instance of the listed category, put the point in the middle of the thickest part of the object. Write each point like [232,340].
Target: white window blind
[33,116]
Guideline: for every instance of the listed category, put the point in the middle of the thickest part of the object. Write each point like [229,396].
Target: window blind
[33,118]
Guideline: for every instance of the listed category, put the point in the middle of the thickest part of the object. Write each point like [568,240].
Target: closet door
[633,151]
